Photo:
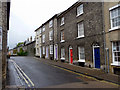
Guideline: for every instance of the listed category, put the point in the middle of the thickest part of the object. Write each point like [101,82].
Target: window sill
[115,64]
[61,24]
[115,28]
[62,58]
[79,15]
[80,37]
[81,60]
[62,41]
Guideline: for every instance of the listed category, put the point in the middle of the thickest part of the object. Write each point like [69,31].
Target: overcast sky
[28,15]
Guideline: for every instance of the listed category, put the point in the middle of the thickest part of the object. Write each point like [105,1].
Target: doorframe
[55,46]
[70,47]
[40,52]
[94,53]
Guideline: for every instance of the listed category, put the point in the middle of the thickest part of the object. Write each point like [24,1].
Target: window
[50,23]
[43,38]
[80,29]
[40,31]
[81,54]
[43,49]
[37,50]
[116,52]
[80,10]
[115,17]
[51,49]
[51,35]
[62,53]
[62,36]
[62,21]
[43,28]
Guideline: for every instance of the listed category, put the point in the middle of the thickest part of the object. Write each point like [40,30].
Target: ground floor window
[81,54]
[116,51]
[43,49]
[62,53]
[51,49]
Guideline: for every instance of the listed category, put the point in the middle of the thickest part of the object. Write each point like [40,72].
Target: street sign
[0,38]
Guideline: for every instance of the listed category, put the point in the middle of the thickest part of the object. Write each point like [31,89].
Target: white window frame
[43,28]
[62,53]
[43,38]
[51,24]
[61,36]
[51,49]
[62,21]
[80,29]
[115,63]
[51,35]
[43,50]
[111,9]
[79,49]
[40,30]
[80,10]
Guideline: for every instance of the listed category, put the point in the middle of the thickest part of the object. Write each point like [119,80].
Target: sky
[27,15]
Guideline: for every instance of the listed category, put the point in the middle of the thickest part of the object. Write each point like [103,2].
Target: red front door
[71,56]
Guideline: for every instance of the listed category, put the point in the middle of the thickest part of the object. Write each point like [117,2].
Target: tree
[20,43]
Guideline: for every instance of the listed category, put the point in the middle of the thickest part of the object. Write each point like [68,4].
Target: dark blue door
[97,57]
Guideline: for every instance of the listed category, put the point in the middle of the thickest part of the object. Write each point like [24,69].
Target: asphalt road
[29,72]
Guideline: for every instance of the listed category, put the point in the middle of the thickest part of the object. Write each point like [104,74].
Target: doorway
[96,56]
[71,55]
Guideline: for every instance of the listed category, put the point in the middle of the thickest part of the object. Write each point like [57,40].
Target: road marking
[22,75]
[26,76]
[26,80]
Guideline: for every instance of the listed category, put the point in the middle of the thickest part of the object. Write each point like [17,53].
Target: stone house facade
[112,36]
[81,35]
[4,27]
[45,39]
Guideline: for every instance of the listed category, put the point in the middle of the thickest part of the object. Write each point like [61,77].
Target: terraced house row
[86,34]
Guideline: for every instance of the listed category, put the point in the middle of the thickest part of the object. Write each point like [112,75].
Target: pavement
[91,72]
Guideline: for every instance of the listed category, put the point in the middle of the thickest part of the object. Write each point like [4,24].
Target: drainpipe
[104,36]
[108,58]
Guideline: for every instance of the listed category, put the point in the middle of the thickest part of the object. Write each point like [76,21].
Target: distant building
[45,40]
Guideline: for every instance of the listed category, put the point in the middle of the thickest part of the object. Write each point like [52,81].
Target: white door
[40,53]
[47,52]
[56,52]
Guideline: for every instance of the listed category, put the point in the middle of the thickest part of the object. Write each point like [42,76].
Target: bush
[22,53]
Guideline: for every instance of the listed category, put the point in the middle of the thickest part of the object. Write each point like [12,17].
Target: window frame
[51,49]
[61,36]
[78,30]
[115,51]
[62,53]
[62,21]
[79,56]
[51,35]
[43,38]
[43,50]
[78,10]
[111,18]
[51,24]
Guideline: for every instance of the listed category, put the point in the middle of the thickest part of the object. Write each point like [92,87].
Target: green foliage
[22,52]
[14,51]
[19,44]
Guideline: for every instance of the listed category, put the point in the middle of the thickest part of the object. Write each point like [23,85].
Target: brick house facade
[78,46]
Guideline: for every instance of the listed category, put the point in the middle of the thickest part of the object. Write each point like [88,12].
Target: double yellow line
[23,75]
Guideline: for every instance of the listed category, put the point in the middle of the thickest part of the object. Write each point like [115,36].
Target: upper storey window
[62,21]
[80,10]
[115,16]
